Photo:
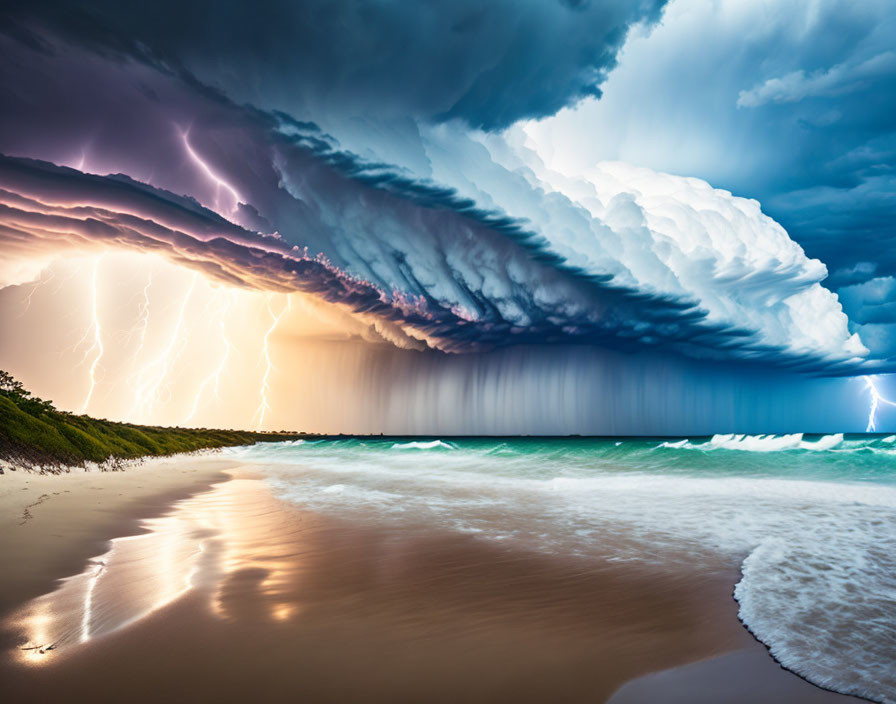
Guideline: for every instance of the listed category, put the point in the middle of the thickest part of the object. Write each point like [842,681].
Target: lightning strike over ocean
[461,351]
[876,399]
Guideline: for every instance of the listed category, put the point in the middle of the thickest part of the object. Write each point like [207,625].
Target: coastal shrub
[21,433]
[34,433]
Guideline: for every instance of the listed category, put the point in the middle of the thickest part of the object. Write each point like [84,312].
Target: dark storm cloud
[488,64]
[461,275]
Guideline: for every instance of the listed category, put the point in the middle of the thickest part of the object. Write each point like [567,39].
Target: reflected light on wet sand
[202,545]
[311,605]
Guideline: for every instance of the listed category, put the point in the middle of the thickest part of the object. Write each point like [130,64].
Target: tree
[9,386]
[14,390]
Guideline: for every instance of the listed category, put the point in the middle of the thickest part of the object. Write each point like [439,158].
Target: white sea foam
[758,443]
[428,445]
[675,444]
[772,443]
[825,607]
[819,577]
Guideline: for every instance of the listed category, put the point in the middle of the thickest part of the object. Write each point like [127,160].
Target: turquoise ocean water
[810,521]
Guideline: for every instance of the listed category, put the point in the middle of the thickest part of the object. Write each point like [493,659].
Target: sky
[621,217]
[790,103]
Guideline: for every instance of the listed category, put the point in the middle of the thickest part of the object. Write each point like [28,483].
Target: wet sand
[50,525]
[230,594]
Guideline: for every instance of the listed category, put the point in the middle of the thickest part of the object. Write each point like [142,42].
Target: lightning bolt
[40,282]
[97,345]
[153,375]
[64,280]
[81,163]
[74,348]
[143,323]
[227,346]
[876,400]
[215,377]
[219,182]
[263,406]
[142,327]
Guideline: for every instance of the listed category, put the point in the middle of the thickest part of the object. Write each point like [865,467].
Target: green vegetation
[34,434]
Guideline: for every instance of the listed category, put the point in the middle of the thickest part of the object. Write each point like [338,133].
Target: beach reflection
[322,608]
[304,602]
[228,545]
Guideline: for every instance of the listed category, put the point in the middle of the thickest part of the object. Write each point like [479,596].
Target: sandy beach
[213,589]
[51,524]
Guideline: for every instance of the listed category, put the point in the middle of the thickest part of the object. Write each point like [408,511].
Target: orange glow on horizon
[143,340]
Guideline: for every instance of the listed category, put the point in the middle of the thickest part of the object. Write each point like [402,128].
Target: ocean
[809,520]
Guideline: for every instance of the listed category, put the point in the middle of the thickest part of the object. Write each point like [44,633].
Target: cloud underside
[488,64]
[481,247]
[46,211]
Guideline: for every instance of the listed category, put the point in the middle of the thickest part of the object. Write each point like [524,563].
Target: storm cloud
[355,151]
[476,251]
[487,64]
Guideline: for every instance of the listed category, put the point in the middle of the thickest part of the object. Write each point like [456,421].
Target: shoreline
[52,524]
[768,652]
[520,614]
[12,461]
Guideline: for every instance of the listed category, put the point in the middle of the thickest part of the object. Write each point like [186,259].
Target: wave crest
[758,443]
[430,445]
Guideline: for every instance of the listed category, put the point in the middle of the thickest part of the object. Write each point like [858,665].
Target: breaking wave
[429,445]
[759,443]
[807,519]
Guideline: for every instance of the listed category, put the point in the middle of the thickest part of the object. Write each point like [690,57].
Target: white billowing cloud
[676,237]
[797,85]
[668,236]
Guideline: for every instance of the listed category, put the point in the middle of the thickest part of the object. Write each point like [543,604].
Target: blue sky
[791,103]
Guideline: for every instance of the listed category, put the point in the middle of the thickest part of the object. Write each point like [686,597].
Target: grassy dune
[34,434]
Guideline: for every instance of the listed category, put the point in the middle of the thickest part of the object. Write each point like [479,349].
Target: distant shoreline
[36,436]
[189,441]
